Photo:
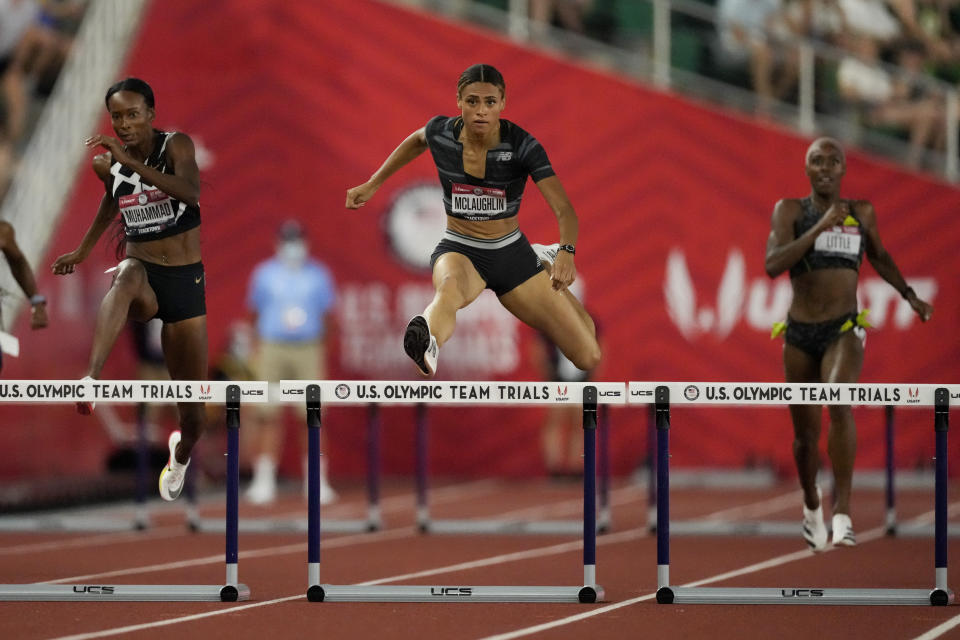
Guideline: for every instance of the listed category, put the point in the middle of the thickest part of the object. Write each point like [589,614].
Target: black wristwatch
[569,248]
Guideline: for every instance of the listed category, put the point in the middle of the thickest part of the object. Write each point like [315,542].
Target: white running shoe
[843,531]
[421,346]
[263,487]
[546,253]
[172,476]
[86,408]
[814,529]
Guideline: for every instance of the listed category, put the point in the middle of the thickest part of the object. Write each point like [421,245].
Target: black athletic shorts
[814,337]
[180,290]
[503,263]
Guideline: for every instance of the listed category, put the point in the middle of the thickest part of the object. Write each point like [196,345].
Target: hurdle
[128,391]
[513,526]
[894,527]
[453,393]
[725,393]
[372,522]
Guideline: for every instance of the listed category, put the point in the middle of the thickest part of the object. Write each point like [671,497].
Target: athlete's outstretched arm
[564,271]
[883,262]
[409,150]
[22,273]
[68,262]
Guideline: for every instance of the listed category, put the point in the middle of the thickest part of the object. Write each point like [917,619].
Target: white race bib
[146,209]
[839,241]
[477,203]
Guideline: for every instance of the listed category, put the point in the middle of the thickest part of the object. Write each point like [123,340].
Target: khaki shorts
[277,361]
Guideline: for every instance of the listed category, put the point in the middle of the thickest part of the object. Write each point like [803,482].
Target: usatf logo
[205,392]
[561,391]
[913,395]
[691,393]
[342,391]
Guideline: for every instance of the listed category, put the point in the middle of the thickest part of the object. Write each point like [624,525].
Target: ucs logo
[801,593]
[92,589]
[451,591]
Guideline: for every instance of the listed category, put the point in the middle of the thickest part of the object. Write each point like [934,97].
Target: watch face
[415,223]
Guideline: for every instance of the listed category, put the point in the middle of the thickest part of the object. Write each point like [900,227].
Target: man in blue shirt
[291,296]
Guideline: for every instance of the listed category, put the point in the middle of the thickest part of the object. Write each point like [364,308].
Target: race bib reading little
[146,211]
[477,203]
[839,241]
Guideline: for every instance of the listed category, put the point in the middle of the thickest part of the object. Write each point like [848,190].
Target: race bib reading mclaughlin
[477,203]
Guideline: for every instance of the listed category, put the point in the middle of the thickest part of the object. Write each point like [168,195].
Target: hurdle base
[295,525]
[508,527]
[123,593]
[815,596]
[77,524]
[769,528]
[908,530]
[427,593]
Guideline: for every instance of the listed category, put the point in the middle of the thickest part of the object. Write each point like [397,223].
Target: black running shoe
[421,346]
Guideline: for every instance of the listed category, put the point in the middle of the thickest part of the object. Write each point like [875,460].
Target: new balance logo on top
[504,156]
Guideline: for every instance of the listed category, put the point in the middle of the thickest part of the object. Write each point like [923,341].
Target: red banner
[292,103]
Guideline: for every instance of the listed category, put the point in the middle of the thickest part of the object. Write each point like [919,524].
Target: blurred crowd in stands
[35,37]
[874,59]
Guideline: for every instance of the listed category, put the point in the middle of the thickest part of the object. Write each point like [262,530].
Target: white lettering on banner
[150,208]
[373,317]
[839,241]
[760,302]
[477,203]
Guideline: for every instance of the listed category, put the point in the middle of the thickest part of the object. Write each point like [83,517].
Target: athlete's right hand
[67,263]
[834,216]
[358,196]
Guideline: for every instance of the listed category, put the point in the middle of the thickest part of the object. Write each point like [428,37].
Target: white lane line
[940,629]
[757,509]
[93,541]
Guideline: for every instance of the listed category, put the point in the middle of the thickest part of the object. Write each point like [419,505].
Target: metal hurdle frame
[463,393]
[515,526]
[125,391]
[373,521]
[791,393]
[894,527]
[55,521]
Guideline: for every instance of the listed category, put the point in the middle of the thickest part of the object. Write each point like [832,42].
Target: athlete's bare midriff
[483,228]
[824,294]
[178,250]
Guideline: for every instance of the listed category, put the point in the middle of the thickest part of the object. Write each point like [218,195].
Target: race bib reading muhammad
[477,203]
[147,211]
[839,241]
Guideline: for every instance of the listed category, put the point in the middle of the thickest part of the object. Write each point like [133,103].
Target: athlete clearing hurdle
[152,180]
[483,163]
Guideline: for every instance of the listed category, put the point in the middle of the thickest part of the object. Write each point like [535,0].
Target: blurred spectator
[891,100]
[291,296]
[46,44]
[756,34]
[568,14]
[819,20]
[872,18]
[16,16]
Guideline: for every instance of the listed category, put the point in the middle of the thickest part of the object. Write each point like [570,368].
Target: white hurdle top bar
[775,393]
[360,392]
[126,391]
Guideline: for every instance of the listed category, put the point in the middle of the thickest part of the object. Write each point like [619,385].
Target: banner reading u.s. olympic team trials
[358,392]
[126,391]
[793,393]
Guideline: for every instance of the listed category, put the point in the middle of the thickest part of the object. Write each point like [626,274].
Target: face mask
[293,253]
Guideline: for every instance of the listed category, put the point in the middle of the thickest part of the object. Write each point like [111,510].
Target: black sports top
[497,195]
[840,247]
[147,212]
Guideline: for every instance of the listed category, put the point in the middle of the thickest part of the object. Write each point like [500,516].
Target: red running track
[274,566]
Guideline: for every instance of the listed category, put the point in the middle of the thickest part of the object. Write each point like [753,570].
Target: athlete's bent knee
[588,359]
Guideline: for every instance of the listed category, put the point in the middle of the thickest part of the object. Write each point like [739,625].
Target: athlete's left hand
[564,272]
[38,316]
[114,146]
